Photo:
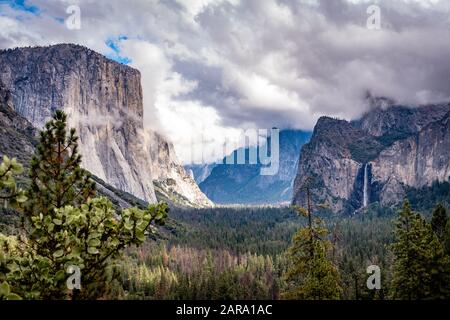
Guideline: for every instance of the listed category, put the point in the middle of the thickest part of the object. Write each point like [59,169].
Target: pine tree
[439,221]
[447,238]
[10,194]
[312,274]
[57,180]
[421,268]
[65,227]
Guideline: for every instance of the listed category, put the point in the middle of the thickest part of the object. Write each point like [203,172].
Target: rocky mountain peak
[378,156]
[400,119]
[57,76]
[104,103]
[335,130]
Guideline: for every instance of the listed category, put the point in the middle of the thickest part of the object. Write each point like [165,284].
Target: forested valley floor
[54,222]
[240,253]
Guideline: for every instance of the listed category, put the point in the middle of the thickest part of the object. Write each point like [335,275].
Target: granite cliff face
[17,135]
[19,138]
[416,161]
[171,179]
[103,100]
[376,158]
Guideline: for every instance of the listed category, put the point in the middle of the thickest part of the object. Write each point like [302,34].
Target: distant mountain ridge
[244,184]
[390,149]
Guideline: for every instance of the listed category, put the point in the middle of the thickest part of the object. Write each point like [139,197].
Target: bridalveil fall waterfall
[366,186]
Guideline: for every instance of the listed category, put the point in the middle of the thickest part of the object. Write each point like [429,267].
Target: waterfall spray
[366,186]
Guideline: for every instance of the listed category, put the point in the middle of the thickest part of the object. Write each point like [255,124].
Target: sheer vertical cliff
[379,156]
[17,135]
[104,102]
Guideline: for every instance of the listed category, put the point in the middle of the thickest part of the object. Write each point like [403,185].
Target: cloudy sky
[213,67]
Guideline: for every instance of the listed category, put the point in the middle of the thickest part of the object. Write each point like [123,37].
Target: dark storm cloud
[335,59]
